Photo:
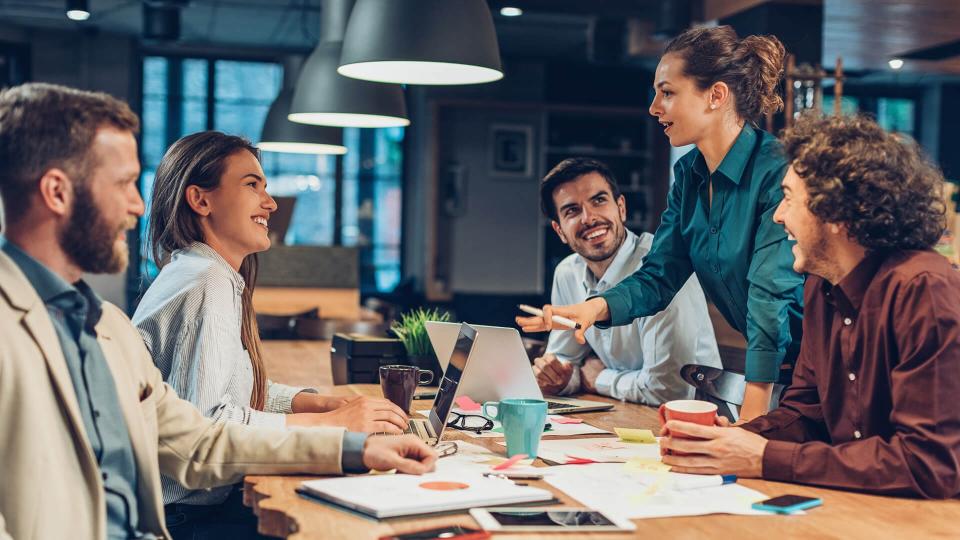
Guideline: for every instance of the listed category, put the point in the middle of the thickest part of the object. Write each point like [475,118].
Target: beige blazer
[50,484]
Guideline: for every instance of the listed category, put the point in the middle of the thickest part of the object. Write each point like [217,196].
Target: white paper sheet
[599,449]
[636,494]
[472,458]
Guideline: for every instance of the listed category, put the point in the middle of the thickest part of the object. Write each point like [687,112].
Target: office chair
[725,388]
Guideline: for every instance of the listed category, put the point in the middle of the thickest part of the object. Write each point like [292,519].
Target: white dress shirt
[642,359]
[190,321]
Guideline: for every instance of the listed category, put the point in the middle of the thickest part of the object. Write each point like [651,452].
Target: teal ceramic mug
[522,421]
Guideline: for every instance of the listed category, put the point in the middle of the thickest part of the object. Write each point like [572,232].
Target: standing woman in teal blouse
[711,89]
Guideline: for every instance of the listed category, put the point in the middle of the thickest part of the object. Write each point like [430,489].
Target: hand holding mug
[686,410]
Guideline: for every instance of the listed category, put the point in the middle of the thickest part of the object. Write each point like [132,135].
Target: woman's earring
[713,105]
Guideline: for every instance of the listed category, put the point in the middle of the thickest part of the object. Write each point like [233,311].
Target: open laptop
[461,349]
[500,368]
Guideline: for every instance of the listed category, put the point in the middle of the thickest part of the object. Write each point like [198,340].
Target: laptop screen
[451,378]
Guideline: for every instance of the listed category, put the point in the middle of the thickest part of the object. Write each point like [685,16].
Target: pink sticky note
[467,404]
[571,460]
[565,420]
[510,462]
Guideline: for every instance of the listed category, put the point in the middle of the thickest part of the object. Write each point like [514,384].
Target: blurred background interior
[438,206]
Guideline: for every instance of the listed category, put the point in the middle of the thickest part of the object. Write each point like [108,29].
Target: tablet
[548,519]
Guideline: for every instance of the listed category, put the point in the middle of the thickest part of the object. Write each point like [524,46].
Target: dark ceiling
[548,28]
[865,32]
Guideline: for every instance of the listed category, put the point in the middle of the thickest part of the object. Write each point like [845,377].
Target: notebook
[392,495]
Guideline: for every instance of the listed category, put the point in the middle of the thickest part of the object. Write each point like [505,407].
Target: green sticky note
[635,435]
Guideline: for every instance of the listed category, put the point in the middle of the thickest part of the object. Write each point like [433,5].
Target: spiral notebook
[392,495]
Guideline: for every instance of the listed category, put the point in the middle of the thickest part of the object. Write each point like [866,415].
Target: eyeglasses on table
[470,422]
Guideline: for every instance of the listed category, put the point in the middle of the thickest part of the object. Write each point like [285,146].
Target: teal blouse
[741,257]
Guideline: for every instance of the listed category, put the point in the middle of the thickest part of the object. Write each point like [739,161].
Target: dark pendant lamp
[421,42]
[281,135]
[78,10]
[324,97]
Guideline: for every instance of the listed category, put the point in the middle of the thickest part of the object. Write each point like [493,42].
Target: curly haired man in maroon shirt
[873,404]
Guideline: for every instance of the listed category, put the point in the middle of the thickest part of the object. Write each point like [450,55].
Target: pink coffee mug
[688,410]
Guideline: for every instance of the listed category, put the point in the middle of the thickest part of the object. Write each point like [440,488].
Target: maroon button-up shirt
[875,399]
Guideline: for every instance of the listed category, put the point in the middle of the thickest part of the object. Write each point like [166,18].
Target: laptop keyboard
[418,428]
[557,406]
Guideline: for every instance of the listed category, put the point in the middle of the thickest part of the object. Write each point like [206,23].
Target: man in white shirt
[639,362]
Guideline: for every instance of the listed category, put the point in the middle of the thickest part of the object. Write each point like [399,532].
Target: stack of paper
[600,450]
[635,493]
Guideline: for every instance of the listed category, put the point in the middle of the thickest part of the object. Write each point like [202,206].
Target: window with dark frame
[183,95]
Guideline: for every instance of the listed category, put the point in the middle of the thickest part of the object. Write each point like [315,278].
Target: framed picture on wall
[511,150]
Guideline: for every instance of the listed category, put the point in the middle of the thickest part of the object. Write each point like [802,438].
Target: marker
[705,482]
[556,318]
[514,475]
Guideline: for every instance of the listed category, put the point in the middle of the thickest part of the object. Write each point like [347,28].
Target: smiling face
[812,249]
[683,110]
[236,214]
[590,220]
[105,205]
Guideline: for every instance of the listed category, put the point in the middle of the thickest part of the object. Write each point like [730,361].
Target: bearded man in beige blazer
[86,422]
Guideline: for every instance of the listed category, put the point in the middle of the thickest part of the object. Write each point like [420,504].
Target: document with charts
[391,495]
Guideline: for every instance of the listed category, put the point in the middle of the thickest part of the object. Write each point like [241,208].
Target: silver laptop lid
[500,367]
[452,374]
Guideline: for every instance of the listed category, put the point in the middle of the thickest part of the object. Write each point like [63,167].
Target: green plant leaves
[411,331]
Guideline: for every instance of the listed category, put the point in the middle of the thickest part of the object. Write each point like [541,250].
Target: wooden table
[283,513]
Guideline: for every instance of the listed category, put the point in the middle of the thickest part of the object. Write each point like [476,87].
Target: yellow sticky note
[635,435]
[643,464]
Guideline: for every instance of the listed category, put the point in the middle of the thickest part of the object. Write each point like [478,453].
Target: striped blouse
[190,320]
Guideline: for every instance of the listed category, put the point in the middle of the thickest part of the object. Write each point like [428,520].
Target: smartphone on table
[787,504]
[548,520]
[454,532]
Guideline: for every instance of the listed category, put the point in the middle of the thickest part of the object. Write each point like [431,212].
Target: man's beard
[817,259]
[91,242]
[604,255]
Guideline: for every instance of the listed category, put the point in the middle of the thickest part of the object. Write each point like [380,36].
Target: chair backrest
[723,387]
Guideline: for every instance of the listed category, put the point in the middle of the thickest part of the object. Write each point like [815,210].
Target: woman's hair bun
[764,56]
[751,67]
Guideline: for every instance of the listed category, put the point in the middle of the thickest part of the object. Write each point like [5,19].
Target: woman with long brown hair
[712,87]
[209,218]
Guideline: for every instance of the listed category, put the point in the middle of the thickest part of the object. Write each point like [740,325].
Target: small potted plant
[412,332]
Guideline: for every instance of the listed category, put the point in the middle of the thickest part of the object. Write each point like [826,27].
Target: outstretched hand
[585,313]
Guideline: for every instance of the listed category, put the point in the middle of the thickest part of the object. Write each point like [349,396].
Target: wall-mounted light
[895,63]
[510,11]
[78,10]
[281,135]
[421,42]
[327,98]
